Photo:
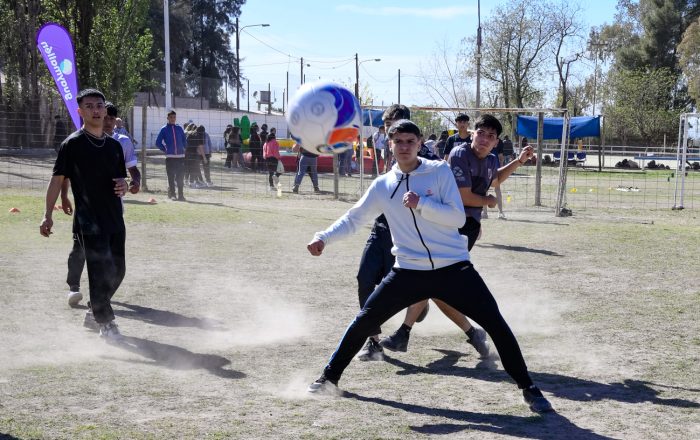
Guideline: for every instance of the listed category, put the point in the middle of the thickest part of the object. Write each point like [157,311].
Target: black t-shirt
[454,140]
[91,165]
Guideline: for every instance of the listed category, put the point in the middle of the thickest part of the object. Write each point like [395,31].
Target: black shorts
[471,230]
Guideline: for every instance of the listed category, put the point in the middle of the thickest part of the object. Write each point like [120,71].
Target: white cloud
[443,13]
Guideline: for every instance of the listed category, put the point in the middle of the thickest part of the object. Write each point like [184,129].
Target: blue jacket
[172,141]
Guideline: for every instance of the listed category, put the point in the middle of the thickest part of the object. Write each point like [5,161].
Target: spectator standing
[227,146]
[206,162]
[461,137]
[431,142]
[508,152]
[381,146]
[306,160]
[441,143]
[172,141]
[60,133]
[255,145]
[271,154]
[194,154]
[234,148]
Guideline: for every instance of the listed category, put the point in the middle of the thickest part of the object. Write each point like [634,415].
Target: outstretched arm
[505,171]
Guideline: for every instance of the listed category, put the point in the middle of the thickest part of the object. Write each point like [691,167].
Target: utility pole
[399,87]
[357,78]
[301,77]
[478,57]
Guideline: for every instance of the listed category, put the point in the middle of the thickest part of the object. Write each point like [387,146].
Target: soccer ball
[324,117]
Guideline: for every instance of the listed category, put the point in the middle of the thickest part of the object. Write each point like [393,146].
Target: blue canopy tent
[372,118]
[580,127]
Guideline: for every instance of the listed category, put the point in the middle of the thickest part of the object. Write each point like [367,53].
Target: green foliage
[689,52]
[429,122]
[200,44]
[642,104]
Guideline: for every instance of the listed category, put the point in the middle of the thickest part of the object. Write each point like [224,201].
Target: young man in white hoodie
[422,204]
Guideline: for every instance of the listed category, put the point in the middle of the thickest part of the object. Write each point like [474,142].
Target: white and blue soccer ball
[324,117]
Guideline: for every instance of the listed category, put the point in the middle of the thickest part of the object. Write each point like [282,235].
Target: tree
[447,77]
[567,35]
[429,122]
[641,104]
[201,54]
[689,52]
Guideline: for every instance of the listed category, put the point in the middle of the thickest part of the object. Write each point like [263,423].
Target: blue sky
[328,34]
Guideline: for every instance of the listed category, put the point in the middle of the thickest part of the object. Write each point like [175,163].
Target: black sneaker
[372,351]
[323,385]
[479,342]
[396,342]
[424,313]
[536,401]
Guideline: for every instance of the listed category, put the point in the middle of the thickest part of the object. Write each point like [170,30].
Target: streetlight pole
[478,57]
[357,73]
[238,60]
[166,32]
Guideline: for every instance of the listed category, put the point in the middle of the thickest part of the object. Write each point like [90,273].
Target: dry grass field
[227,319]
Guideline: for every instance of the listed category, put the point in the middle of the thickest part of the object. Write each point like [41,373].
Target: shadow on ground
[561,386]
[549,426]
[518,249]
[164,317]
[177,358]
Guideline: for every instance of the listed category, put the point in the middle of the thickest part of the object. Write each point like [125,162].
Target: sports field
[228,319]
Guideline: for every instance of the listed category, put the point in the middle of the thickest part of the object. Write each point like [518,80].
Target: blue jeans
[304,163]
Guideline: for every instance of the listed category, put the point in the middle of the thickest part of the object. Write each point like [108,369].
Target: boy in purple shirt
[476,169]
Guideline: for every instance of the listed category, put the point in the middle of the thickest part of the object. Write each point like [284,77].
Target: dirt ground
[228,319]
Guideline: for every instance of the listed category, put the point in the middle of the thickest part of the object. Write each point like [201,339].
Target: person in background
[461,137]
[60,133]
[234,148]
[306,160]
[194,155]
[430,143]
[227,146]
[271,154]
[255,145]
[381,146]
[508,152]
[441,143]
[206,162]
[172,141]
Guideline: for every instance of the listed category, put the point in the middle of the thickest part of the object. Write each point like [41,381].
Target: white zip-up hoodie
[424,238]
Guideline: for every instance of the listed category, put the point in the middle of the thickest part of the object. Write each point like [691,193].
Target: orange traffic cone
[14,210]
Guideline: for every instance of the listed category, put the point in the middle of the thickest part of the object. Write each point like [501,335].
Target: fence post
[144,137]
[538,166]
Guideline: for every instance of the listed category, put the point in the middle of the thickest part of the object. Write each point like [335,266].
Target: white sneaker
[501,216]
[110,332]
[74,298]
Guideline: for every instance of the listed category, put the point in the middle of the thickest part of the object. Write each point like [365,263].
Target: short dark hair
[112,109]
[462,117]
[89,92]
[403,126]
[489,121]
[172,112]
[396,112]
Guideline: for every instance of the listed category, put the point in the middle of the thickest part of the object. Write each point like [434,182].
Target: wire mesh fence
[587,188]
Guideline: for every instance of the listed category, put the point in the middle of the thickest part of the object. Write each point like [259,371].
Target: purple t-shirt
[472,172]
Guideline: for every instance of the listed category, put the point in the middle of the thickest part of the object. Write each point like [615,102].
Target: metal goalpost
[682,158]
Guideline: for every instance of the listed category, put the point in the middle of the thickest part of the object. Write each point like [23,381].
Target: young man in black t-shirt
[461,137]
[94,163]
